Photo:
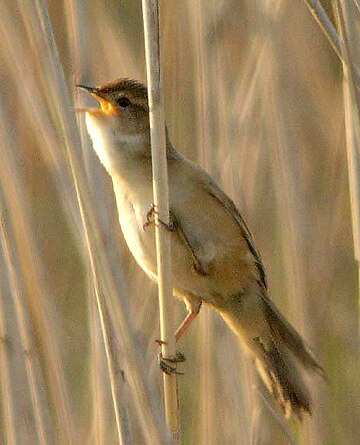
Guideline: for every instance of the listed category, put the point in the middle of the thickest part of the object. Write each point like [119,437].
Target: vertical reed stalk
[161,203]
[42,34]
[352,122]
[78,27]
[32,373]
[39,11]
[30,271]
[9,424]
[326,25]
[207,431]
[329,30]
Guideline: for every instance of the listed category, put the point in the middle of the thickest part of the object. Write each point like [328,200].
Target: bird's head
[120,127]
[123,101]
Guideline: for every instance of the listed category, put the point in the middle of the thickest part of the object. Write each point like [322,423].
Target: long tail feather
[278,350]
[285,333]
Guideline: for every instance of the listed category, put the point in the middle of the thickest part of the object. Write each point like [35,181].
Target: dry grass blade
[45,39]
[357,4]
[325,24]
[9,431]
[13,190]
[254,93]
[352,122]
[32,371]
[54,78]
[151,17]
[329,30]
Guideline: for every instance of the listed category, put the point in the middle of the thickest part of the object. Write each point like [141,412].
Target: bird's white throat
[110,144]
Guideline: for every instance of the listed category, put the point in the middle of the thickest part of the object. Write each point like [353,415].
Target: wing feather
[215,191]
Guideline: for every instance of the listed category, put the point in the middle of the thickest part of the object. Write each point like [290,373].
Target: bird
[214,257]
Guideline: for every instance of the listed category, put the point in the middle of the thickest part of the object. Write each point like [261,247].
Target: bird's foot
[150,219]
[168,364]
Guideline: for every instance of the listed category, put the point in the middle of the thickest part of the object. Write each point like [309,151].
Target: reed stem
[161,203]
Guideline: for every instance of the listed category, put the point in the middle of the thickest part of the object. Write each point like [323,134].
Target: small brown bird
[214,257]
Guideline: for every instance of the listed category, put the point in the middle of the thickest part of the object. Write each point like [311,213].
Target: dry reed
[254,92]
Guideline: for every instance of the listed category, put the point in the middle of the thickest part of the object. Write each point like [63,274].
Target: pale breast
[102,139]
[141,242]
[132,210]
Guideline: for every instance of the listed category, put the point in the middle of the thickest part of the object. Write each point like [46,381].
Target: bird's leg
[192,313]
[197,266]
[173,225]
[166,363]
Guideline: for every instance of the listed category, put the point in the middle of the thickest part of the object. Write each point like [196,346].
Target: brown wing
[215,191]
[187,173]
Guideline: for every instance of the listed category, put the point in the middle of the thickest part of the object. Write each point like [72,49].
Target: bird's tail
[278,350]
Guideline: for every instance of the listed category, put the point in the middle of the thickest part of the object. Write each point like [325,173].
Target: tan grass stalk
[41,15]
[78,37]
[98,399]
[205,84]
[258,102]
[32,371]
[9,424]
[17,205]
[36,294]
[352,121]
[329,30]
[161,203]
[348,32]
[286,189]
[326,25]
[41,32]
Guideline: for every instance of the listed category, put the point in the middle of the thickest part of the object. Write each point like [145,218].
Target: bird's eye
[123,102]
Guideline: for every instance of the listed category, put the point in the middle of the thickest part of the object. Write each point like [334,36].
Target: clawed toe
[167,364]
[178,358]
[150,217]
[150,220]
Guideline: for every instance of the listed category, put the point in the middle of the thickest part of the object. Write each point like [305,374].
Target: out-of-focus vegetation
[254,93]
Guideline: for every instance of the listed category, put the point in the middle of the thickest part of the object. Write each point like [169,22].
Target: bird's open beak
[106,106]
[90,90]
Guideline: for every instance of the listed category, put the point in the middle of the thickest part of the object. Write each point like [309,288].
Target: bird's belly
[141,243]
[186,280]
[140,240]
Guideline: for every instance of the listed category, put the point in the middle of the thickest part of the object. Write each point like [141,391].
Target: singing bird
[214,257]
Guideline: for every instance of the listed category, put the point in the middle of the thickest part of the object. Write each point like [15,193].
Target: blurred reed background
[253,92]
